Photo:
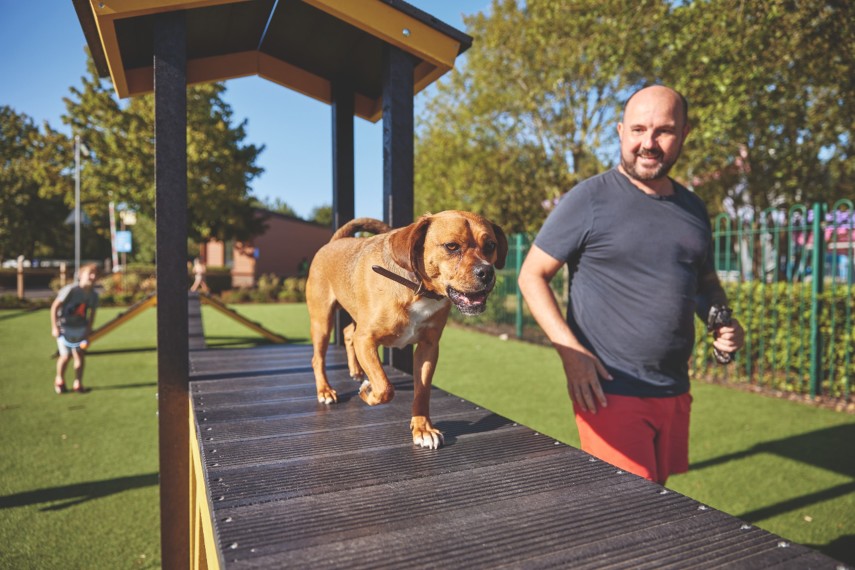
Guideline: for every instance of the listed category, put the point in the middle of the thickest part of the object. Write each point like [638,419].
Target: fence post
[817,267]
[20,277]
[518,243]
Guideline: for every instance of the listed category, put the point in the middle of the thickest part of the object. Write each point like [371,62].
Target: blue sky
[43,56]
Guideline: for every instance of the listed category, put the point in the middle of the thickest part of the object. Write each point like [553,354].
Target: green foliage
[533,108]
[532,111]
[322,215]
[269,288]
[277,205]
[120,167]
[777,354]
[31,224]
[772,97]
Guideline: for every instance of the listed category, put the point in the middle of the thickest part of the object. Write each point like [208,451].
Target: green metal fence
[789,277]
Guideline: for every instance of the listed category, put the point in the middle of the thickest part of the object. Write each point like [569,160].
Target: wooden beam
[173,369]
[398,130]
[343,174]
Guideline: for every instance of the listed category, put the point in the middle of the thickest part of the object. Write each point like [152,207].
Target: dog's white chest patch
[419,313]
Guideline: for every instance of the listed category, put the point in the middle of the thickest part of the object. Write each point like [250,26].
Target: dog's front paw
[327,396]
[424,434]
[372,398]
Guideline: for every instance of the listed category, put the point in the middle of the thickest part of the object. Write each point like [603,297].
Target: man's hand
[729,338]
[583,371]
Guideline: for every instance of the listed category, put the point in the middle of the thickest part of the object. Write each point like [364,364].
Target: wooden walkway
[296,484]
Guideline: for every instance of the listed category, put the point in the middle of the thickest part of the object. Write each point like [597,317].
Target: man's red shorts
[645,436]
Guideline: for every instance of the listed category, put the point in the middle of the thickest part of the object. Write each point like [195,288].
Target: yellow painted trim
[106,12]
[437,50]
[311,85]
[203,544]
[110,45]
[293,77]
[387,23]
[140,80]
[234,315]
[123,318]
[129,8]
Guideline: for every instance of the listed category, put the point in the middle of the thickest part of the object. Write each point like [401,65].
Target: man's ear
[407,242]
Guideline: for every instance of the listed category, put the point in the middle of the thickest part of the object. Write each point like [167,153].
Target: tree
[533,109]
[322,215]
[277,205]
[772,93]
[120,168]
[30,224]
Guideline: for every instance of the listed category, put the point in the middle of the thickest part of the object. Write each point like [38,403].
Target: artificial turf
[78,487]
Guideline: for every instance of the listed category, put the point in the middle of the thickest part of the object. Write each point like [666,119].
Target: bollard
[20,277]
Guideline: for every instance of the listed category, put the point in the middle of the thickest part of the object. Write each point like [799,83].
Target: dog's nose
[484,273]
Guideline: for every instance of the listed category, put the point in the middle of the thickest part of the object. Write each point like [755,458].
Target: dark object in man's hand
[720,316]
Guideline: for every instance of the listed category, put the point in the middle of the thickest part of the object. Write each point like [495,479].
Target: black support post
[170,125]
[343,174]
[398,133]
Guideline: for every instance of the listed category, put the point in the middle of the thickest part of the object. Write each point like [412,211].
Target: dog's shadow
[452,429]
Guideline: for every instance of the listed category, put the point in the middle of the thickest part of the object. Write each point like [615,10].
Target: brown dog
[440,260]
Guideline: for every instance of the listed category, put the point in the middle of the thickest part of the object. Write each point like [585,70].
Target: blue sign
[123,241]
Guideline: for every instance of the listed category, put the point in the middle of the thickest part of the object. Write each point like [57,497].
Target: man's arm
[583,369]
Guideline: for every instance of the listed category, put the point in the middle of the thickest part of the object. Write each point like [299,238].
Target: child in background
[71,318]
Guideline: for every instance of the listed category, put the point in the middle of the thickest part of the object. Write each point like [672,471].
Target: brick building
[282,248]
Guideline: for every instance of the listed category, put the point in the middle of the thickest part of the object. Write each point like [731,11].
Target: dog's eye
[452,247]
[489,247]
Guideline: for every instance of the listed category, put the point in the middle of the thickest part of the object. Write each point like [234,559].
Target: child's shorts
[65,346]
[645,436]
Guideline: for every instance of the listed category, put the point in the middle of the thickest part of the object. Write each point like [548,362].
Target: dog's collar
[418,288]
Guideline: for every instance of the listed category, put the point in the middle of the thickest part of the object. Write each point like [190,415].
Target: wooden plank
[294,483]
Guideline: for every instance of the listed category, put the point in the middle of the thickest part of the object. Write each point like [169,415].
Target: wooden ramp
[296,484]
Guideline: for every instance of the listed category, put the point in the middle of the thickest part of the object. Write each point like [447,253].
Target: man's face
[652,134]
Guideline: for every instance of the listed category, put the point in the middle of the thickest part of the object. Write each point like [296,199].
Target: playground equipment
[204,298]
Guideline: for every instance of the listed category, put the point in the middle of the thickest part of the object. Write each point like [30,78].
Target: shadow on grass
[21,313]
[125,386]
[823,449]
[120,351]
[72,495]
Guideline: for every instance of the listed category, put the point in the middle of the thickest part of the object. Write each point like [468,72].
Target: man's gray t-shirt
[635,263]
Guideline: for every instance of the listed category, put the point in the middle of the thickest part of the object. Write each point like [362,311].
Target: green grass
[78,484]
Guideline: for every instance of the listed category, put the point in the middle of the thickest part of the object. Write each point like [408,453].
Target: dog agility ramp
[296,484]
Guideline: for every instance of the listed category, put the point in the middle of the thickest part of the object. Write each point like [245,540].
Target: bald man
[639,249]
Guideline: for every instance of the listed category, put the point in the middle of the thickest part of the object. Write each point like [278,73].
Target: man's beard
[660,172]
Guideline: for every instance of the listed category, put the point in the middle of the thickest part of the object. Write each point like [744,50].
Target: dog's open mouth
[469,303]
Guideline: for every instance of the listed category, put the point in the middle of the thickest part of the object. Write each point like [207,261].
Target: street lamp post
[76,205]
[79,147]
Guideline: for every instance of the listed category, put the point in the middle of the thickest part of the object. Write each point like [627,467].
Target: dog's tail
[353,227]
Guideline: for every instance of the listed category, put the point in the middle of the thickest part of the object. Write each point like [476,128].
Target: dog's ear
[501,246]
[407,242]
